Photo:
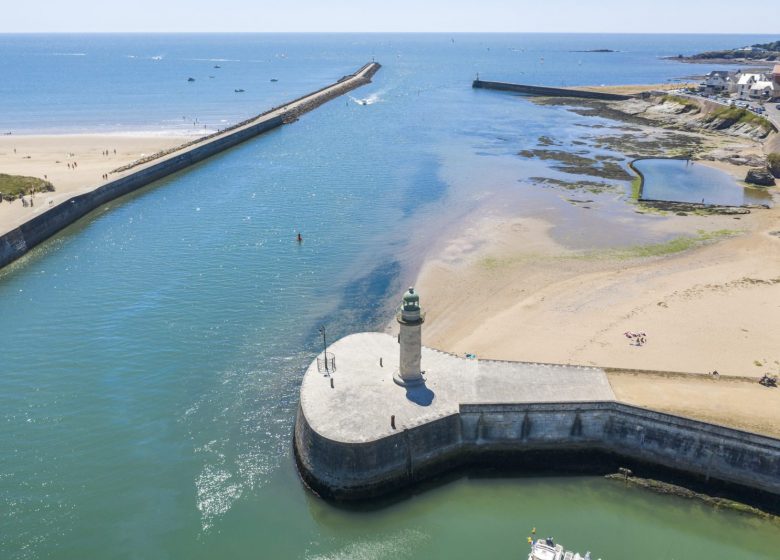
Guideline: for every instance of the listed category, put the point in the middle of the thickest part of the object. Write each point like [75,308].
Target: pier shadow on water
[541,464]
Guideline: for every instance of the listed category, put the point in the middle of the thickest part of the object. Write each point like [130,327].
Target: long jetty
[129,178]
[548,91]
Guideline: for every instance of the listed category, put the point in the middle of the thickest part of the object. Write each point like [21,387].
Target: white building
[761,90]
[718,81]
[745,82]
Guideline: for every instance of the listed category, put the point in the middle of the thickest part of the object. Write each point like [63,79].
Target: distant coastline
[764,54]
[596,51]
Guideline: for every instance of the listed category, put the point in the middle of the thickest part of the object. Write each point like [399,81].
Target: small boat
[239,90]
[274,80]
[217,66]
[546,549]
[363,102]
[190,79]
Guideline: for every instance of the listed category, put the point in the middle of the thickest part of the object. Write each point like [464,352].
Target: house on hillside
[762,90]
[746,82]
[718,81]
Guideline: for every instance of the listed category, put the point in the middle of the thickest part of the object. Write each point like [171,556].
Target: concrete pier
[365,436]
[548,91]
[20,240]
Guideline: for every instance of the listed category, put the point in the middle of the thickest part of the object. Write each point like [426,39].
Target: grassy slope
[14,186]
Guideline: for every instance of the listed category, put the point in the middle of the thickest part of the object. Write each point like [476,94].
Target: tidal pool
[680,180]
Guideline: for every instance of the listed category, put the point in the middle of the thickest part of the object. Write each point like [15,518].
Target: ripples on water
[151,355]
[399,545]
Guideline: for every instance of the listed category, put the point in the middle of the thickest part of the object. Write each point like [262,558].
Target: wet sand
[503,287]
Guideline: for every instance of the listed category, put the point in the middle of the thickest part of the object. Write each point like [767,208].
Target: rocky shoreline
[658,124]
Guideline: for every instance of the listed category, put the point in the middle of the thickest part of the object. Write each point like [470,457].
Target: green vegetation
[676,245]
[762,51]
[730,116]
[636,187]
[773,46]
[690,106]
[593,187]
[14,186]
[773,162]
[577,164]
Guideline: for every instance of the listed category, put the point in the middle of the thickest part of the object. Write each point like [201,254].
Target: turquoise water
[680,180]
[152,353]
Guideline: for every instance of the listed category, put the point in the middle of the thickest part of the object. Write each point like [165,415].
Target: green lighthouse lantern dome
[410,311]
[411,300]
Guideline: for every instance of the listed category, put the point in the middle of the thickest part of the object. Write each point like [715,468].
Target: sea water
[681,180]
[151,354]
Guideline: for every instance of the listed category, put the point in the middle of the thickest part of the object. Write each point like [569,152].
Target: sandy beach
[49,157]
[713,307]
[503,288]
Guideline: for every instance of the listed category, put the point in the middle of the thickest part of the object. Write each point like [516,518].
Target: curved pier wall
[543,431]
[347,471]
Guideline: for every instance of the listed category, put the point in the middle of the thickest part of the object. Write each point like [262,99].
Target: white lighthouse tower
[410,318]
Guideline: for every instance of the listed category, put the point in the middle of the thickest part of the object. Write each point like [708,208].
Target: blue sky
[598,16]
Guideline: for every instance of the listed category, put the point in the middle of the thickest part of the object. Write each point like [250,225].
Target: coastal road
[773,113]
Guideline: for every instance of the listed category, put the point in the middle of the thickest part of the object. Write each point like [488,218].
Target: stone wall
[548,91]
[18,241]
[541,431]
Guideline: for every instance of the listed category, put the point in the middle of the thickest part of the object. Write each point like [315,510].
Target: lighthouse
[410,319]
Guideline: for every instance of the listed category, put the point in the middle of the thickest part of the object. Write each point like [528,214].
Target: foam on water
[399,545]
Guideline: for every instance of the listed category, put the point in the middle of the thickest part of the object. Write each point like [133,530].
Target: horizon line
[131,32]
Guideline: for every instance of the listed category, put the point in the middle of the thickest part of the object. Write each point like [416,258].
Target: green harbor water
[151,354]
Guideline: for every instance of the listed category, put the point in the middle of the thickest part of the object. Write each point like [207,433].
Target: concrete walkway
[364,397]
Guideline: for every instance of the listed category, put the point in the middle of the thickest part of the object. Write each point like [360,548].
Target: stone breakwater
[20,240]
[548,91]
[361,436]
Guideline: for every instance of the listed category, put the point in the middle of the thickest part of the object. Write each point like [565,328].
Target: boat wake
[370,100]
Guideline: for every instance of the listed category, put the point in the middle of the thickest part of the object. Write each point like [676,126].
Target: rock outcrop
[760,176]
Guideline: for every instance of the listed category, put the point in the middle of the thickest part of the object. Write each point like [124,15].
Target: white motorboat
[546,549]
